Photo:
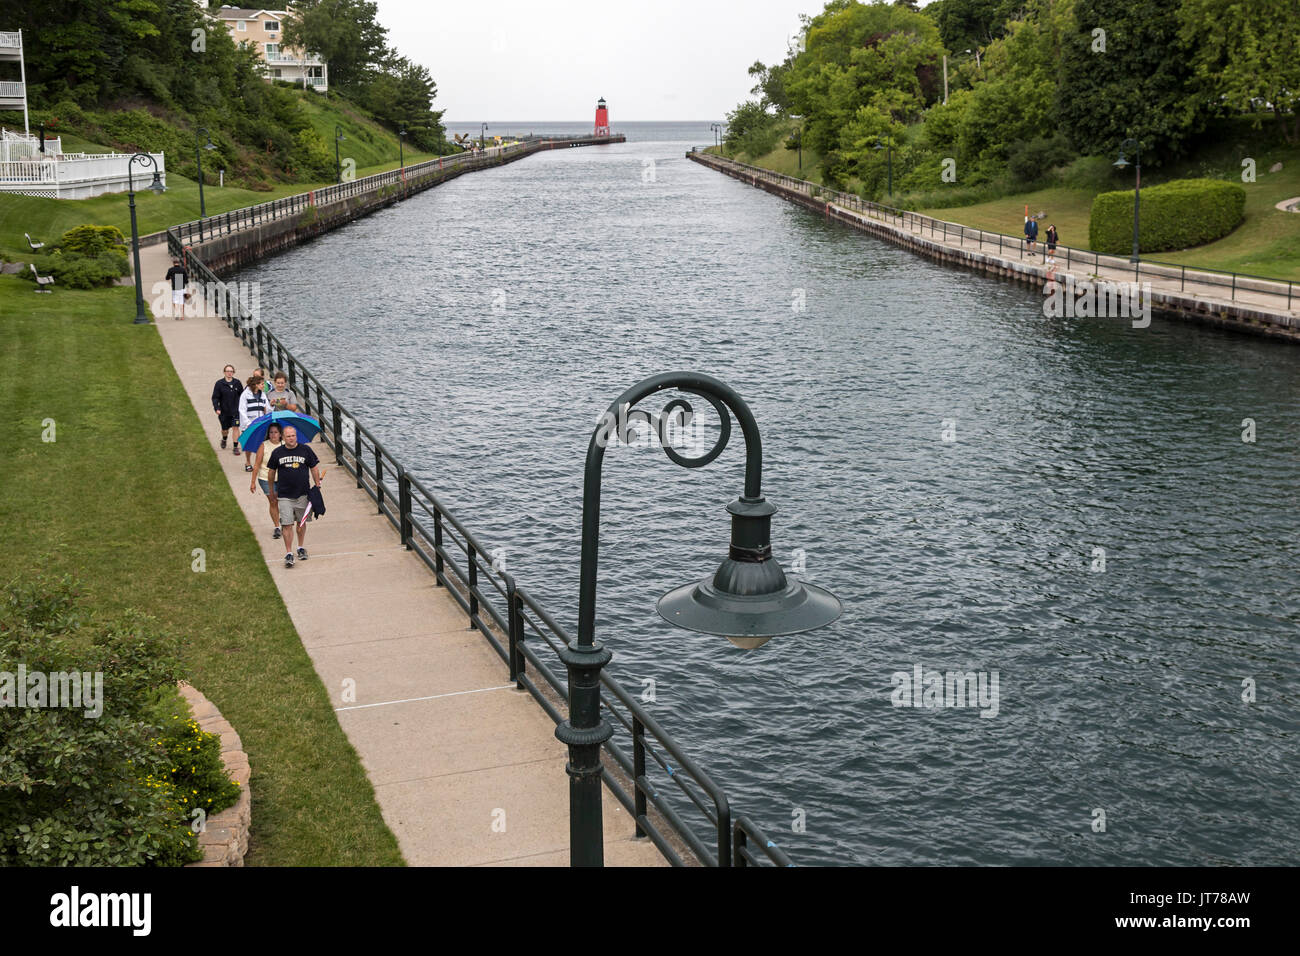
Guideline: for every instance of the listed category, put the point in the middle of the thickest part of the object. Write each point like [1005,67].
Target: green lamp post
[1123,163]
[144,159]
[748,600]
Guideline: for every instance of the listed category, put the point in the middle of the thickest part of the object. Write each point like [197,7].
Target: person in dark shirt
[179,279]
[225,402]
[290,470]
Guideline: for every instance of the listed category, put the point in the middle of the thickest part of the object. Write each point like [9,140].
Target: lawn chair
[34,245]
[41,281]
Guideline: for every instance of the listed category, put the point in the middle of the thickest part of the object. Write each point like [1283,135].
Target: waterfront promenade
[1251,305]
[466,768]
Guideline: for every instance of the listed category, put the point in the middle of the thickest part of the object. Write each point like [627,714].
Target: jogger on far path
[225,402]
[252,404]
[289,469]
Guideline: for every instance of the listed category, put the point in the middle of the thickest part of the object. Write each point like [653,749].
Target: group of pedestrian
[284,467]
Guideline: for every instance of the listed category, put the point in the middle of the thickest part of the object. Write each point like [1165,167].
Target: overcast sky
[525,60]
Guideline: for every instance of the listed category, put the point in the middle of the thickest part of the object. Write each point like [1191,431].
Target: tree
[345,33]
[1247,57]
[1137,86]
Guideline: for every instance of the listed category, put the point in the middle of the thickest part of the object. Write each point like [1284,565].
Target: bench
[34,245]
[41,281]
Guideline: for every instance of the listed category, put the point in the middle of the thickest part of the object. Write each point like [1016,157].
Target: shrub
[1031,160]
[1176,215]
[93,240]
[78,790]
[74,271]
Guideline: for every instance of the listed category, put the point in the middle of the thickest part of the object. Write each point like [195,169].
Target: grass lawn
[120,499]
[1267,242]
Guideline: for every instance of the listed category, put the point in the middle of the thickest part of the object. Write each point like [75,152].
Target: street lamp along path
[748,599]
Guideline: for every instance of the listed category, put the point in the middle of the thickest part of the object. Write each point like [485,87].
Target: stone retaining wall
[225,839]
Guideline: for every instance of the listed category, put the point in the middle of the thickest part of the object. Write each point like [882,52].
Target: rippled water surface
[480,327]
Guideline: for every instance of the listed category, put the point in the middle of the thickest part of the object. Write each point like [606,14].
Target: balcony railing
[11,40]
[280,59]
[11,88]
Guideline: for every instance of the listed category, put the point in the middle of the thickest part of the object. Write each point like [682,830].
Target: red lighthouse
[602,118]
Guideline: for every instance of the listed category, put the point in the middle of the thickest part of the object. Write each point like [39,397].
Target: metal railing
[649,765]
[918,223]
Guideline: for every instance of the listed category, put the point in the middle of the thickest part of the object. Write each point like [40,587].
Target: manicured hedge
[1175,215]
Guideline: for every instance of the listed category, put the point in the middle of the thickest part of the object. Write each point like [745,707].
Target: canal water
[1067,505]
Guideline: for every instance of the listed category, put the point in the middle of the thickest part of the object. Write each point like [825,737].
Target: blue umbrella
[253,436]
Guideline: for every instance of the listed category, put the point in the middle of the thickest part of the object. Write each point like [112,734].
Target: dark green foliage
[1175,215]
[78,790]
[1138,87]
[143,74]
[74,271]
[751,129]
[1029,161]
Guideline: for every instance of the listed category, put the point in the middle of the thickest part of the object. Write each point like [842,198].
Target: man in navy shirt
[291,468]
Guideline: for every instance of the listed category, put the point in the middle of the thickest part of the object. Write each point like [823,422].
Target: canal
[1065,504]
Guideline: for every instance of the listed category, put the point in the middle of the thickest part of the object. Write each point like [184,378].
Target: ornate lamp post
[482,137]
[890,147]
[401,160]
[198,161]
[1123,163]
[338,138]
[748,600]
[717,133]
[144,159]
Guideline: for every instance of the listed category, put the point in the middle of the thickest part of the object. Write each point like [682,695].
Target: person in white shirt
[252,405]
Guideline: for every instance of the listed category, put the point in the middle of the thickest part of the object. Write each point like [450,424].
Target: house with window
[263,31]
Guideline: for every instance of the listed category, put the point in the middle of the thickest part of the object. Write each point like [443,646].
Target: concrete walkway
[1082,269]
[466,769]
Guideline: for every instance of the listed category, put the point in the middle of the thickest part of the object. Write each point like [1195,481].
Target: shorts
[265,486]
[228,421]
[1051,247]
[292,509]
[178,296]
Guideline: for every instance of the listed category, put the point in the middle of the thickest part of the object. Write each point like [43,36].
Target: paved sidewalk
[466,769]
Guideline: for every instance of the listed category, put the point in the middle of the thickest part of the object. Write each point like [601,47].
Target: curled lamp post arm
[620,412]
[748,600]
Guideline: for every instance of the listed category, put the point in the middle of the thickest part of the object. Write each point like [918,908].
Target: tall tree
[346,33]
[1126,71]
[1247,54]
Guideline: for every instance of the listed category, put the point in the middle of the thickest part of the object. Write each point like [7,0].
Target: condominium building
[262,31]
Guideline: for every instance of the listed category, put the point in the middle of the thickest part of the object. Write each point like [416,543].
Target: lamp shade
[1121,162]
[157,184]
[749,600]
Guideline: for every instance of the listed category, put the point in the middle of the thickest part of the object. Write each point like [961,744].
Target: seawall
[1175,292]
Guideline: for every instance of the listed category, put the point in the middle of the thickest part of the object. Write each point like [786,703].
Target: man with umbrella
[288,469]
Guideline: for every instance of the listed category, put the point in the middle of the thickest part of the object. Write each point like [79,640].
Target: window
[241,25]
[273,51]
[271,25]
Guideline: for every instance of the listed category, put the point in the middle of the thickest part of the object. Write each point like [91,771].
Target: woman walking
[252,404]
[261,476]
